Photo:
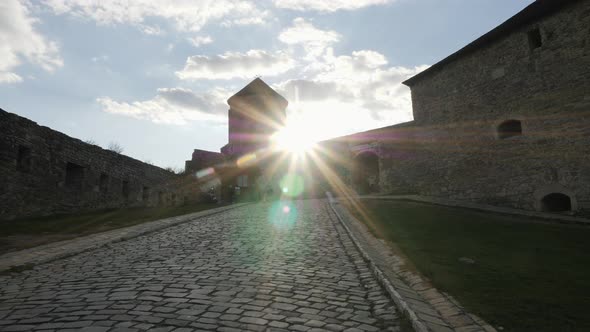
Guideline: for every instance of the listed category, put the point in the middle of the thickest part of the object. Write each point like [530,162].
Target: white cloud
[259,19]
[236,65]
[173,106]
[152,30]
[362,81]
[7,77]
[360,66]
[327,5]
[20,41]
[313,40]
[186,15]
[100,59]
[360,89]
[200,40]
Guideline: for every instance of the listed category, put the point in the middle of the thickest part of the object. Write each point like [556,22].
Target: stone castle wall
[45,172]
[202,159]
[453,147]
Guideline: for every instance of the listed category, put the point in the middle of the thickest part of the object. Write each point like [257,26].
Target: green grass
[527,276]
[26,233]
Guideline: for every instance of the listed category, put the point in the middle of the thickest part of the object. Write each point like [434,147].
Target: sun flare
[303,130]
[293,139]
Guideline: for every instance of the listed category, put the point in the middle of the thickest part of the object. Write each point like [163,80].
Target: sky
[154,76]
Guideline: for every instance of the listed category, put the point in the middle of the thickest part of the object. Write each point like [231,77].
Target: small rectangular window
[74,176]
[243,181]
[125,189]
[23,159]
[509,128]
[535,39]
[160,198]
[145,194]
[103,183]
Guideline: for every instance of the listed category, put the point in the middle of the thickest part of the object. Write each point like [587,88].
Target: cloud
[327,5]
[360,89]
[360,66]
[236,65]
[185,15]
[151,30]
[20,41]
[313,40]
[100,59]
[308,90]
[200,40]
[176,106]
[362,81]
[7,77]
[259,19]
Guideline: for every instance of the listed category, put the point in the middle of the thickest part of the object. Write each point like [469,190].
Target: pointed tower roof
[257,89]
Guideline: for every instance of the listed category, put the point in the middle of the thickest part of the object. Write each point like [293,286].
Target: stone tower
[256,112]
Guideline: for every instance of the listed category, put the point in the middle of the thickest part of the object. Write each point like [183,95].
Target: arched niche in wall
[365,175]
[555,198]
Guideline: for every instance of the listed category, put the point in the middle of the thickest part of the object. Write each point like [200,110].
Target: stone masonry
[503,121]
[44,172]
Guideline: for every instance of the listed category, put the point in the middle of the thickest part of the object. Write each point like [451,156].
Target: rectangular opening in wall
[160,198]
[103,183]
[23,159]
[535,39]
[125,189]
[145,194]
[509,128]
[243,181]
[74,176]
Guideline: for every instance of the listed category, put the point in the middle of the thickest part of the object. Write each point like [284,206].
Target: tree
[175,170]
[91,142]
[115,147]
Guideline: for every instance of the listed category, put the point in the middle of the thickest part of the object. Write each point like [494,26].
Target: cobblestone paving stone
[260,267]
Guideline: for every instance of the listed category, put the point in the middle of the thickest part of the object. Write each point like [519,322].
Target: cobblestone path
[262,267]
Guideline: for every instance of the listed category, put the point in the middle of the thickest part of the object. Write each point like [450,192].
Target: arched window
[366,172]
[556,202]
[509,128]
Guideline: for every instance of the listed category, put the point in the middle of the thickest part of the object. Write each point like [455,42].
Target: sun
[293,139]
